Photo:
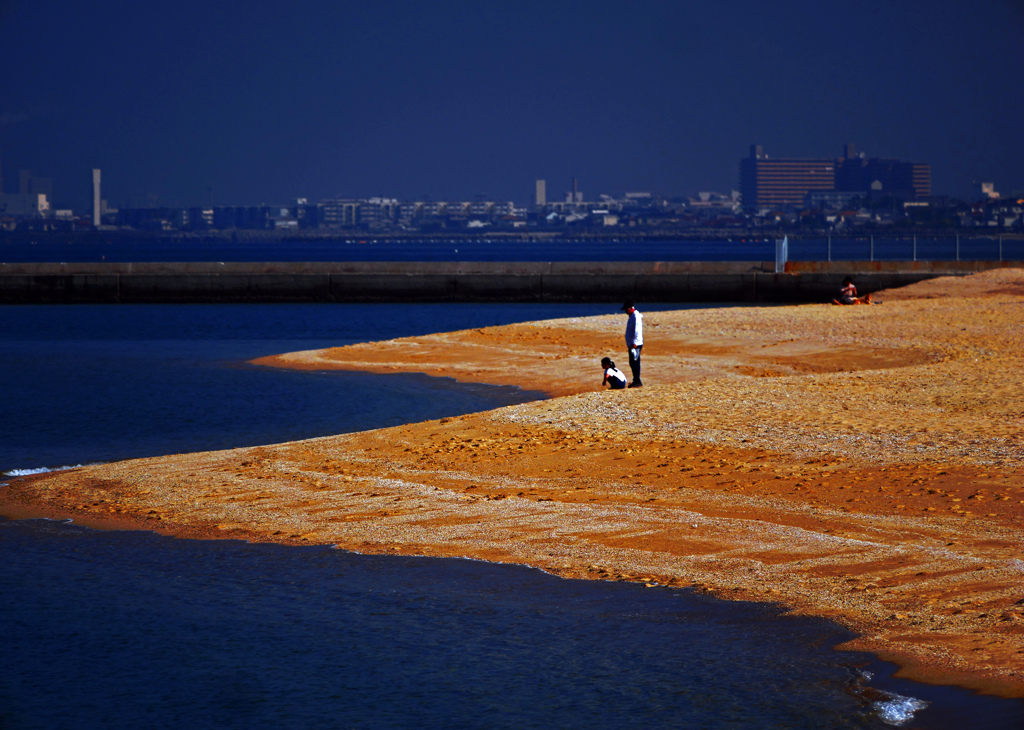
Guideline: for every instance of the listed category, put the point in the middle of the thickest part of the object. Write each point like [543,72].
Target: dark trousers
[634,364]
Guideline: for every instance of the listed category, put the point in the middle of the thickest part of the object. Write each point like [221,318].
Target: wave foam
[898,710]
[40,470]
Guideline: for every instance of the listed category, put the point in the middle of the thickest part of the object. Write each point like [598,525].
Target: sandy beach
[858,463]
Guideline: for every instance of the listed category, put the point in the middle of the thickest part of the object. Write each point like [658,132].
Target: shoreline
[861,464]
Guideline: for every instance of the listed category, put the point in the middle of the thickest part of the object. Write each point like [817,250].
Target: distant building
[456,209]
[770,183]
[29,184]
[339,212]
[378,212]
[24,206]
[481,208]
[540,194]
[716,202]
[574,196]
[985,191]
[894,178]
[788,183]
[32,199]
[832,199]
[201,219]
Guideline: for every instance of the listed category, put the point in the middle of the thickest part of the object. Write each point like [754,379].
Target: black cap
[607,362]
[628,305]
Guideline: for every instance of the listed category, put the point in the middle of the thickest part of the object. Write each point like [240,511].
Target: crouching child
[612,375]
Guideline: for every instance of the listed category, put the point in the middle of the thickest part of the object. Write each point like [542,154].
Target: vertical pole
[1000,247]
[781,254]
[830,247]
[872,248]
[96,198]
[915,248]
[958,247]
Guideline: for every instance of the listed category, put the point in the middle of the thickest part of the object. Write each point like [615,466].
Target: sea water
[364,247]
[129,629]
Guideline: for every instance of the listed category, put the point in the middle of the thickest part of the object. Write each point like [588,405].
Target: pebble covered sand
[859,463]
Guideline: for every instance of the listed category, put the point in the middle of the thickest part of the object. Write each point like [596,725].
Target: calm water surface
[129,629]
[364,247]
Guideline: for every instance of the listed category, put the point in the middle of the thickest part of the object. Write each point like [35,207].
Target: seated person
[848,294]
[612,375]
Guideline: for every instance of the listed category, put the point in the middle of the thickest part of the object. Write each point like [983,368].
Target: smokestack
[96,198]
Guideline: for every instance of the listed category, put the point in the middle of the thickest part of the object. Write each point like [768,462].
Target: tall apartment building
[775,183]
[907,180]
[770,183]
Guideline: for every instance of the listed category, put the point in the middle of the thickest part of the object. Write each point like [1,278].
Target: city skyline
[196,104]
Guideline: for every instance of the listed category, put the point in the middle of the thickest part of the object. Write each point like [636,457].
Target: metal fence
[907,248]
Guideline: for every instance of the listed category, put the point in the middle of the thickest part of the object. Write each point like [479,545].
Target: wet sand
[857,463]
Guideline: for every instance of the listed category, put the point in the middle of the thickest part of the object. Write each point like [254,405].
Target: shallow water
[90,383]
[134,630]
[128,629]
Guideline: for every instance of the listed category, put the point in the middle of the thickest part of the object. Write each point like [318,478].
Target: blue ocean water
[363,247]
[129,629]
[107,382]
[152,632]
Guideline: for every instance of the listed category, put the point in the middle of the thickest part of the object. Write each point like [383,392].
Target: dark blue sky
[264,101]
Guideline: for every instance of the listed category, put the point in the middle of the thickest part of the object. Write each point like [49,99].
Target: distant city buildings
[31,201]
[821,193]
[767,183]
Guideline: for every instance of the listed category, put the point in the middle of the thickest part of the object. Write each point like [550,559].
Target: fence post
[872,254]
[915,248]
[830,247]
[1000,248]
[781,254]
[958,247]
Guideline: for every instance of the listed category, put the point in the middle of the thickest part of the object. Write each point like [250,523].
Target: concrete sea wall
[753,282]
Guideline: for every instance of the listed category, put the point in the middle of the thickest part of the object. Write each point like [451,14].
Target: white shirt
[635,330]
[614,373]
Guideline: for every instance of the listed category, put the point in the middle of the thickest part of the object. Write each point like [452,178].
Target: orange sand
[858,463]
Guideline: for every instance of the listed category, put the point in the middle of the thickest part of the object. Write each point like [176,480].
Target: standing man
[634,340]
